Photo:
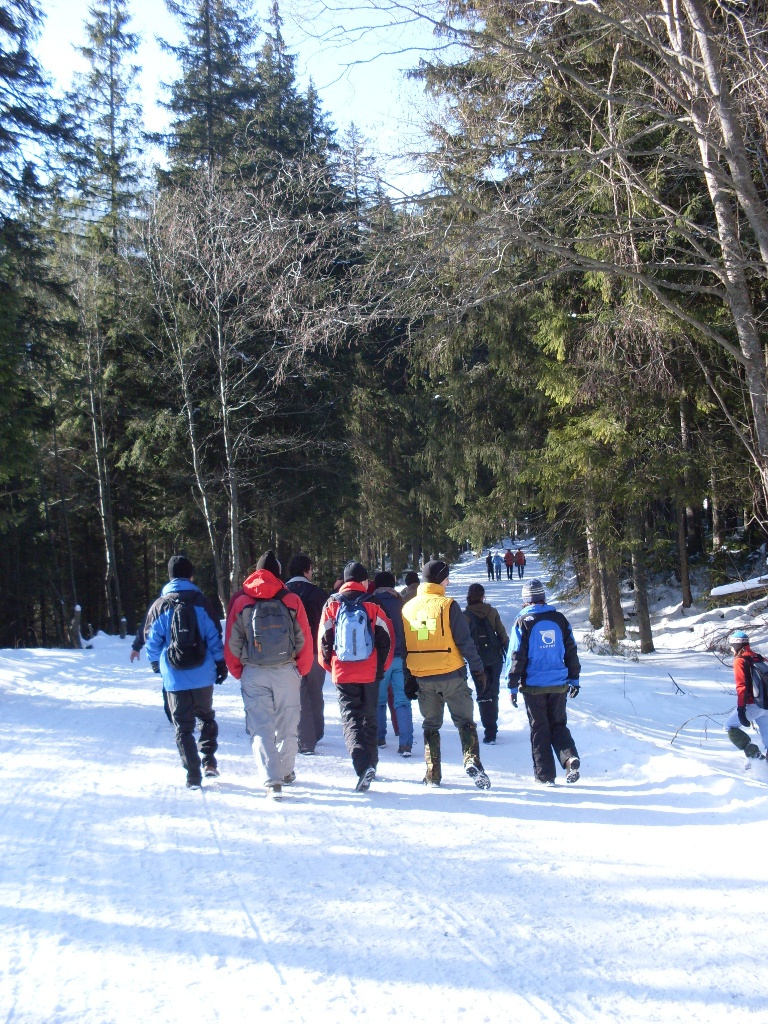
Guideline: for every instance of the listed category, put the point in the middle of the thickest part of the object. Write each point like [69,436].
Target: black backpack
[760,683]
[486,641]
[187,647]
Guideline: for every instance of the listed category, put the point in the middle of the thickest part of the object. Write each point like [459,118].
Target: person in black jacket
[491,640]
[312,719]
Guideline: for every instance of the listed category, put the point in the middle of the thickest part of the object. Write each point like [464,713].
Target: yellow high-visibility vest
[432,651]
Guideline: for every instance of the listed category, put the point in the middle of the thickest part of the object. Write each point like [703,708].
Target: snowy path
[625,898]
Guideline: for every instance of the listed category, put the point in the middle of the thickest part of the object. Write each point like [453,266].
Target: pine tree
[286,125]
[218,90]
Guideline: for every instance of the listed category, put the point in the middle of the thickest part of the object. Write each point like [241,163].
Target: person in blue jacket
[190,690]
[543,664]
[385,594]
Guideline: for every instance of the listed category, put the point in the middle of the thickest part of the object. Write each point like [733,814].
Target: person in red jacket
[520,563]
[357,652]
[268,647]
[747,712]
[509,561]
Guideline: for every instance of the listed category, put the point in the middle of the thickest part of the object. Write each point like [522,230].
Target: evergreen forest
[233,336]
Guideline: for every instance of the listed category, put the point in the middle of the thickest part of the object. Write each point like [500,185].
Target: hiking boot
[404,751]
[490,742]
[288,779]
[753,752]
[432,756]
[470,745]
[194,782]
[305,750]
[546,782]
[274,791]
[572,764]
[365,779]
[382,743]
[210,771]
[431,781]
[476,772]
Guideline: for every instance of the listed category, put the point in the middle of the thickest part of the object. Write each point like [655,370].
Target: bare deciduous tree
[246,285]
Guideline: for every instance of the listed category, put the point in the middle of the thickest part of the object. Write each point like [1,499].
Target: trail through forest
[633,896]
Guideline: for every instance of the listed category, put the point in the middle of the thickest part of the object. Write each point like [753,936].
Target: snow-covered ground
[638,894]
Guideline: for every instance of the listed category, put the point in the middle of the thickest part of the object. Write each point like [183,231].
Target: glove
[743,717]
[480,682]
[135,655]
[411,687]
[155,666]
[221,671]
[513,697]
[573,687]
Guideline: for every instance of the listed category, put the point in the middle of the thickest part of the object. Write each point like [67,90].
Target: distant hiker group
[495,561]
[379,646]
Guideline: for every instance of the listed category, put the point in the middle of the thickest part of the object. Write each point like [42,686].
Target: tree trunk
[595,589]
[718,530]
[614,598]
[111,580]
[682,553]
[609,624]
[641,586]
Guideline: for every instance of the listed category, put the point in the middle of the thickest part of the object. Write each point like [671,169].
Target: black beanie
[411,577]
[269,562]
[180,568]
[435,571]
[384,579]
[354,572]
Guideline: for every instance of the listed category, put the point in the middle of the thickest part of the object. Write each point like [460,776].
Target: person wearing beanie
[491,640]
[543,664]
[356,645]
[312,717]
[411,581]
[394,678]
[747,711]
[184,647]
[180,568]
[438,641]
[268,647]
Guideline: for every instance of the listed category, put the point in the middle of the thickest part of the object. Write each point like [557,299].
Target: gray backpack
[274,632]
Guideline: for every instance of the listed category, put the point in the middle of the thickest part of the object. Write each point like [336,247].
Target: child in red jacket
[747,712]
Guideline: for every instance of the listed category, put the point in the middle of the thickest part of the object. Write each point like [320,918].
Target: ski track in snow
[634,896]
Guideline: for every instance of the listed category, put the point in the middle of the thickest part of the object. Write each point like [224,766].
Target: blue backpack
[353,640]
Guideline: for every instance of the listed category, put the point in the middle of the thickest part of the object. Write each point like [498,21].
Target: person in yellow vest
[437,642]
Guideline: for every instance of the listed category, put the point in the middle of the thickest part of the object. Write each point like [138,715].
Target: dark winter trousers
[488,704]
[509,572]
[357,703]
[491,573]
[549,731]
[186,706]
[520,571]
[312,720]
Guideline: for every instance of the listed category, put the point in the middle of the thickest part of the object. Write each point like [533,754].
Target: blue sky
[356,57]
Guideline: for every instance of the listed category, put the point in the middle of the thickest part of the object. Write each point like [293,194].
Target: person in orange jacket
[268,647]
[356,643]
